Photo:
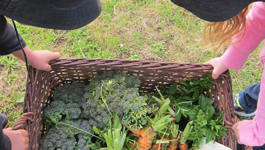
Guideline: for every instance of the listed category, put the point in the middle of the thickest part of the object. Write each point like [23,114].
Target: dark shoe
[239,111]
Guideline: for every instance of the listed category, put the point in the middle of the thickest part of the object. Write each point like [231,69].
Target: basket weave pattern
[42,84]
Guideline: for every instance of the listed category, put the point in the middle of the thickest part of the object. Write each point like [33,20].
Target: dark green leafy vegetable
[116,93]
[190,99]
[58,138]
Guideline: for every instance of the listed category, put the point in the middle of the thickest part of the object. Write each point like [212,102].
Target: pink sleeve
[237,54]
[252,132]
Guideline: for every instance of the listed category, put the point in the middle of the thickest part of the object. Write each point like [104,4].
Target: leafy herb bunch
[190,99]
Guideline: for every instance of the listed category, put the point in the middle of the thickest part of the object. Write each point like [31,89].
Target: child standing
[52,14]
[247,34]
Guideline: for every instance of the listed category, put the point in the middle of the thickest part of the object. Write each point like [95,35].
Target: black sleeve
[8,38]
[5,143]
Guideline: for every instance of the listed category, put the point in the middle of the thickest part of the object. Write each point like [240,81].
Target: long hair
[220,34]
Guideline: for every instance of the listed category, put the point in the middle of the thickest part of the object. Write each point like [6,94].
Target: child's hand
[19,138]
[40,59]
[218,66]
[236,128]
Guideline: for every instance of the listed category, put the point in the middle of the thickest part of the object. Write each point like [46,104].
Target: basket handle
[22,119]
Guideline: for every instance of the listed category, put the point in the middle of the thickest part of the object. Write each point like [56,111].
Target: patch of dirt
[62,40]
[123,55]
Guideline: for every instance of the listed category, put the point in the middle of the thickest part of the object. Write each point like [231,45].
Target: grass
[126,29]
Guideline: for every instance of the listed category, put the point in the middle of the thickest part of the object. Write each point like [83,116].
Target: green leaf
[209,135]
[195,89]
[164,107]
[184,111]
[208,101]
[187,92]
[178,114]
[210,112]
[192,113]
[184,103]
[162,142]
[203,131]
[173,89]
[174,128]
[202,102]
[186,132]
[20,100]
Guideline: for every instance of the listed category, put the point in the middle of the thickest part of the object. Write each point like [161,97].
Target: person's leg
[259,147]
[246,101]
[242,147]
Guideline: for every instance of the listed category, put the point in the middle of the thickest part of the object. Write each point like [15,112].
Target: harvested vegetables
[110,114]
[158,124]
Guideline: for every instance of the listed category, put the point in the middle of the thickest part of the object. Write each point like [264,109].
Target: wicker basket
[41,85]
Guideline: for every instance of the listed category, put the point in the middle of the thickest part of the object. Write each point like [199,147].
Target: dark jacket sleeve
[5,143]
[8,38]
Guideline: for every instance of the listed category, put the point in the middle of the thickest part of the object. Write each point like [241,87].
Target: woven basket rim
[41,83]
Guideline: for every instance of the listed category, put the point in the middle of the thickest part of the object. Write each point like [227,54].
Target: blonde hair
[220,34]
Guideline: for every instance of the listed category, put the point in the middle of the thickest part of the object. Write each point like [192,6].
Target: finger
[235,126]
[24,133]
[27,140]
[26,146]
[236,130]
[215,74]
[208,62]
[48,68]
[55,55]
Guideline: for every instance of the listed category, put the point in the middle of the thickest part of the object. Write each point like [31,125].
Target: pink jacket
[252,132]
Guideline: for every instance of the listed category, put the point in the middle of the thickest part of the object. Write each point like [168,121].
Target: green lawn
[126,29]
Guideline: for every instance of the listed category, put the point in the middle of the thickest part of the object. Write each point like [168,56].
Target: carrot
[172,146]
[157,124]
[155,147]
[146,136]
[184,146]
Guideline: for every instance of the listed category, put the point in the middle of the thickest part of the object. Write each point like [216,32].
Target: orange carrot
[184,146]
[146,136]
[155,147]
[172,146]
